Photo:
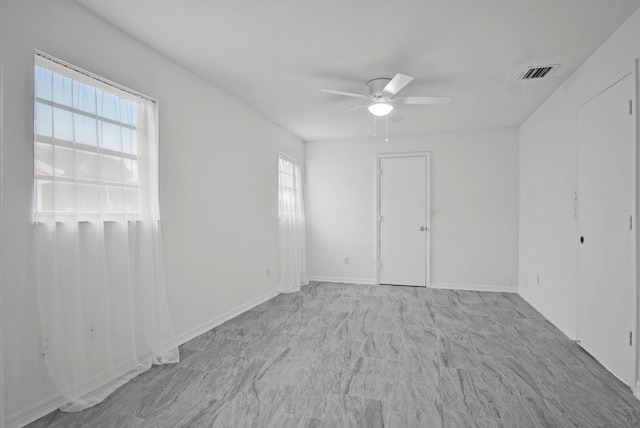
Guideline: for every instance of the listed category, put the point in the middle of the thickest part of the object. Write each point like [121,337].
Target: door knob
[582,239]
[422,228]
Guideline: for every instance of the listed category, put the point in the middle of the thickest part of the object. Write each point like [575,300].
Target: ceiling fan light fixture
[380,108]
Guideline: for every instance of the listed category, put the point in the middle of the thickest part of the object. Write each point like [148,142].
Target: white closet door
[403,235]
[607,246]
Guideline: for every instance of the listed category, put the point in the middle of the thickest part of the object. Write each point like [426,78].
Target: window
[86,143]
[290,189]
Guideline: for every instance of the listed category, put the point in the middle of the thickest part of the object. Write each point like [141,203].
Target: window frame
[103,186]
[292,189]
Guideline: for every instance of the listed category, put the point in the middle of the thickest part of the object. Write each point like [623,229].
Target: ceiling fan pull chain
[375,126]
[386,128]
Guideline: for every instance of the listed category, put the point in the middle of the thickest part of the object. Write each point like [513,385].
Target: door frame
[634,71]
[427,220]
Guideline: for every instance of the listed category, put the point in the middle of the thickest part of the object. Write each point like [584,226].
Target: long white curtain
[291,226]
[96,241]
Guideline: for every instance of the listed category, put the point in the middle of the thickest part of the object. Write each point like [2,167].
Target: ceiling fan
[381,97]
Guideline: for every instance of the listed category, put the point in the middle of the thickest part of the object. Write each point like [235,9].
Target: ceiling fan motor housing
[375,87]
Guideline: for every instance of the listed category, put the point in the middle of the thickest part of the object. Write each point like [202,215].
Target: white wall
[548,171]
[218,180]
[474,189]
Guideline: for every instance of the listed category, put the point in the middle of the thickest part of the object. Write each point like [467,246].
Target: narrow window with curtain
[96,241]
[291,225]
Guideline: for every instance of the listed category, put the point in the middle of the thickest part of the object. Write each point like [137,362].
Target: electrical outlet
[434,213]
[44,345]
[346,260]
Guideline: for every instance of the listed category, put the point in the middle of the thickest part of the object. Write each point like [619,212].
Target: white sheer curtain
[291,226]
[96,241]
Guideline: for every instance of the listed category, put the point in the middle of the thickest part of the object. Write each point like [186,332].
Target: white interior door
[403,227]
[606,223]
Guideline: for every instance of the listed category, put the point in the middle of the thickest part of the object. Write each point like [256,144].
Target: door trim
[636,114]
[427,220]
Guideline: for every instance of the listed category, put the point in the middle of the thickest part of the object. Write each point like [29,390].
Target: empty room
[234,213]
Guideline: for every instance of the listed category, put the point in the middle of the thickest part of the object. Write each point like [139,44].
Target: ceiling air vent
[537,72]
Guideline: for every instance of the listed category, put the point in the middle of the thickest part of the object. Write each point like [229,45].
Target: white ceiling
[273,55]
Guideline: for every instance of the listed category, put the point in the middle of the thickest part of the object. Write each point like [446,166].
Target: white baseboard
[343,280]
[475,287]
[636,391]
[571,334]
[47,405]
[208,325]
[35,411]
[447,286]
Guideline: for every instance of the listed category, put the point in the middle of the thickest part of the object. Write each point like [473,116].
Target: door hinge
[380,218]
[630,222]
[379,172]
[380,265]
[630,338]
[630,106]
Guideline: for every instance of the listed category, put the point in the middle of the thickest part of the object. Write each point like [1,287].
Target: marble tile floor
[344,355]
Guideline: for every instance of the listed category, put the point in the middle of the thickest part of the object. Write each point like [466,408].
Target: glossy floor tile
[344,355]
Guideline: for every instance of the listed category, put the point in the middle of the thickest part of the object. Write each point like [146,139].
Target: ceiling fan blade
[424,100]
[347,94]
[396,84]
[396,116]
[348,109]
